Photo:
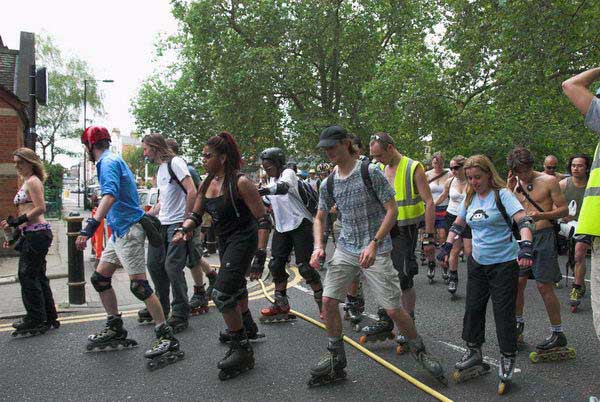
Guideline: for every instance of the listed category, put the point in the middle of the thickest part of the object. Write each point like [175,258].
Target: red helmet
[93,134]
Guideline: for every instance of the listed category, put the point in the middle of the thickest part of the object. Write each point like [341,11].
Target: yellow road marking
[74,319]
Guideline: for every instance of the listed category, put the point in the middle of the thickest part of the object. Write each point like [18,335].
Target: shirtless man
[550,166]
[544,191]
[574,189]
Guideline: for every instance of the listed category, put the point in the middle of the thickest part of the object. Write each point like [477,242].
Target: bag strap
[504,214]
[366,178]
[445,172]
[521,190]
[174,176]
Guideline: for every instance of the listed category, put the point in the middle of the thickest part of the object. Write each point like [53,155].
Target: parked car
[148,198]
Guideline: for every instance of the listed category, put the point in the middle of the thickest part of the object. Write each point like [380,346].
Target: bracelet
[428,236]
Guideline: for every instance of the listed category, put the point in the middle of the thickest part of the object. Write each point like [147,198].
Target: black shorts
[403,251]
[466,234]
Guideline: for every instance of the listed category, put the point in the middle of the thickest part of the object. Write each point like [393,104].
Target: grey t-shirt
[592,118]
[362,215]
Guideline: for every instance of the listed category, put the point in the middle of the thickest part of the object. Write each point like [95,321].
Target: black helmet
[275,155]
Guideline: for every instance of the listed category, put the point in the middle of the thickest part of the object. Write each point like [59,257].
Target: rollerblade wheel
[572,353]
[534,357]
[573,309]
[362,340]
[501,388]
[456,377]
[400,350]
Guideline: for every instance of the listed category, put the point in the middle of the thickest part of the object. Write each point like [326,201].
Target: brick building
[14,121]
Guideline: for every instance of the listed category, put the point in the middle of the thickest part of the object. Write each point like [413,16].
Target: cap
[331,136]
[312,171]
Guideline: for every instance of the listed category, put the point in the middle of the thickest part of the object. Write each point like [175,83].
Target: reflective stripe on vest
[589,217]
[411,207]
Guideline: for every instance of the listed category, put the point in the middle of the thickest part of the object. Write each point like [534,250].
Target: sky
[115,37]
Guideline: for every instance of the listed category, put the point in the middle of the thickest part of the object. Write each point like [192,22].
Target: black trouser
[35,286]
[499,281]
[236,251]
[301,240]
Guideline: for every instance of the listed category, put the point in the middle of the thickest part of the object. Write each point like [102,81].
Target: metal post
[79,184]
[76,265]
[31,137]
[84,153]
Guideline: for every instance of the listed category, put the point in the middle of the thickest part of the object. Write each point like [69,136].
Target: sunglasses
[206,155]
[376,137]
[457,167]
[551,167]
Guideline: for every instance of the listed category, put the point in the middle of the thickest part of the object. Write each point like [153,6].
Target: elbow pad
[527,222]
[16,222]
[281,188]
[457,229]
[264,222]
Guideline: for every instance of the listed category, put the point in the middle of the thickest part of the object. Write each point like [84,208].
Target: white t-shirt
[289,210]
[172,197]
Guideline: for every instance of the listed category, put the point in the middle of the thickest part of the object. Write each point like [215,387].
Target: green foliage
[54,176]
[462,76]
[53,187]
[60,118]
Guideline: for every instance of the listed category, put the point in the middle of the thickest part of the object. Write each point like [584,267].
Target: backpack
[309,196]
[364,173]
[195,177]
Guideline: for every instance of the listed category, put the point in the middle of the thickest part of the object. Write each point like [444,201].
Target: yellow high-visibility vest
[589,216]
[411,207]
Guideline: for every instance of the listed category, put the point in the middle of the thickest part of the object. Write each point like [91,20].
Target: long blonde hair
[482,162]
[34,160]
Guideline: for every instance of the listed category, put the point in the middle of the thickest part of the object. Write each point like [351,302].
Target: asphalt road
[55,366]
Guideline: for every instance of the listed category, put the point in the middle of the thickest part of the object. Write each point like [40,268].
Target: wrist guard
[196,218]
[263,191]
[258,264]
[525,250]
[444,251]
[264,222]
[16,222]
[91,225]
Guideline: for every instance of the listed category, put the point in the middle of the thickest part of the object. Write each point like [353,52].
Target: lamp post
[85,81]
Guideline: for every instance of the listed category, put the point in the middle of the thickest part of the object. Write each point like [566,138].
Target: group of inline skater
[382,206]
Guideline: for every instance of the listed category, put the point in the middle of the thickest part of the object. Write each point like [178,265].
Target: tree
[60,118]
[274,73]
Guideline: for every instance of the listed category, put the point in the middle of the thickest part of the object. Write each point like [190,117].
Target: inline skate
[164,349]
[471,365]
[250,326]
[577,293]
[505,372]
[452,284]
[380,331]
[278,311]
[144,316]
[330,367]
[27,327]
[199,301]
[112,337]
[178,324]
[353,311]
[238,359]
[427,361]
[431,271]
[553,348]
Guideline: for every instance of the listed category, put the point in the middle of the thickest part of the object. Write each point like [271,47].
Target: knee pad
[277,269]
[100,282]
[141,289]
[406,282]
[226,301]
[310,275]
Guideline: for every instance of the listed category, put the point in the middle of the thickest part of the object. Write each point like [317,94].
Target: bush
[53,190]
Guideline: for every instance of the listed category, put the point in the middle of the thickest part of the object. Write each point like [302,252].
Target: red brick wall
[11,138]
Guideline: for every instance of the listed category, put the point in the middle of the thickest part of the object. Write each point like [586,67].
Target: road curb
[8,280]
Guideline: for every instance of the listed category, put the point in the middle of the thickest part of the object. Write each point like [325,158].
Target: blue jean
[166,266]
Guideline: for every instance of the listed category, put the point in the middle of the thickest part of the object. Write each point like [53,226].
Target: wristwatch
[375,240]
